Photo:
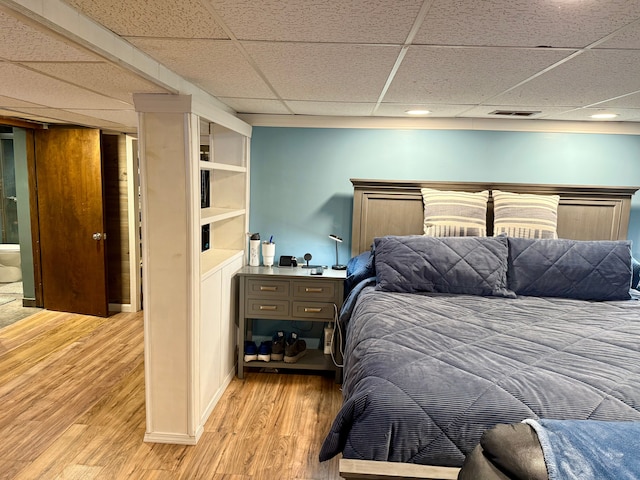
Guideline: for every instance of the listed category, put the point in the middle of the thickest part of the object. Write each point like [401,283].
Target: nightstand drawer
[265,307]
[313,310]
[315,290]
[267,288]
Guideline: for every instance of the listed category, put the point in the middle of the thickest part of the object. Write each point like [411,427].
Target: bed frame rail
[372,470]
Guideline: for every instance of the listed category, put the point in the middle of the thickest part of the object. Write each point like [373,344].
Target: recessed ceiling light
[418,112]
[604,116]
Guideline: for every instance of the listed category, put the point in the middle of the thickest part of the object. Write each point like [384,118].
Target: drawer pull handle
[312,310]
[268,289]
[313,289]
[268,307]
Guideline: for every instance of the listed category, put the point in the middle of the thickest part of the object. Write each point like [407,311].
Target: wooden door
[71,217]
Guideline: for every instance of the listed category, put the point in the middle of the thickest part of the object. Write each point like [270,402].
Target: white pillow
[454,214]
[525,215]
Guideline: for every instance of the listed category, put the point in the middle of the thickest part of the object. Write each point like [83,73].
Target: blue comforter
[426,374]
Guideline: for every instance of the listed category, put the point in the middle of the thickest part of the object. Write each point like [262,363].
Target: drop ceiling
[80,61]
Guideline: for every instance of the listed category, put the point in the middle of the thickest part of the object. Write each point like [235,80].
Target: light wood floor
[72,407]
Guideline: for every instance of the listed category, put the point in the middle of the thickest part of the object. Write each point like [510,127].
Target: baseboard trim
[29,302]
[120,307]
[172,438]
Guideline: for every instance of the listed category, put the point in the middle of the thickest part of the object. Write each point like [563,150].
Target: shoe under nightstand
[292,294]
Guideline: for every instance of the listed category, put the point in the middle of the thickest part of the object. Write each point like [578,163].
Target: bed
[429,369]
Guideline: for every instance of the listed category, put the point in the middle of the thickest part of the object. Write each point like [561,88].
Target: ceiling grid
[565,59]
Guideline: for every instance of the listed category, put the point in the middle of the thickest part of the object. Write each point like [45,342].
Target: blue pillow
[467,265]
[361,273]
[585,270]
[635,277]
[359,268]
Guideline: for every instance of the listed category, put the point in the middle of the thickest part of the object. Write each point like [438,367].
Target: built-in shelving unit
[195,190]
[223,158]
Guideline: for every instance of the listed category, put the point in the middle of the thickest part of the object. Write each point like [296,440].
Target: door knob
[97,236]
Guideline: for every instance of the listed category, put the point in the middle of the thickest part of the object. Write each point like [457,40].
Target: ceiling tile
[437,110]
[325,72]
[215,65]
[353,21]
[8,102]
[102,78]
[627,101]
[594,76]
[584,114]
[250,105]
[50,115]
[628,38]
[341,109]
[525,23]
[158,18]
[22,42]
[464,75]
[113,117]
[23,84]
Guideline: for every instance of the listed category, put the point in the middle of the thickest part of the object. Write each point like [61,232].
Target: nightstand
[289,293]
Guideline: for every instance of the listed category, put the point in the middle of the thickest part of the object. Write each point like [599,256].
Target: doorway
[17,296]
[8,194]
[69,177]
[122,188]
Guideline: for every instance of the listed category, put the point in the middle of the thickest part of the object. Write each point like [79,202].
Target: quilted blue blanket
[426,374]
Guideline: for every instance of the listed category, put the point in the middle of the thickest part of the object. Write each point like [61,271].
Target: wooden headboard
[394,207]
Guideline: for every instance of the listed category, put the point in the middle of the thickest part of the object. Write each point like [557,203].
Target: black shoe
[277,346]
[294,349]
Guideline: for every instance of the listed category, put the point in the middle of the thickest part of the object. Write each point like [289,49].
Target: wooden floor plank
[72,396]
[30,353]
[79,472]
[27,329]
[9,469]
[62,453]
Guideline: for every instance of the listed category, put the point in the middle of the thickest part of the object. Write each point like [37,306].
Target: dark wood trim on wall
[116,217]
[14,122]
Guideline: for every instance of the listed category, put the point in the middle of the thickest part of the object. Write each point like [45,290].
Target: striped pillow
[454,214]
[525,215]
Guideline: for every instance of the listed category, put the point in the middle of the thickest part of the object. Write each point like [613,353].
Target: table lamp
[337,266]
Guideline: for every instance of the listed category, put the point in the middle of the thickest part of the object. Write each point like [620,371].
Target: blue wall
[300,188]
